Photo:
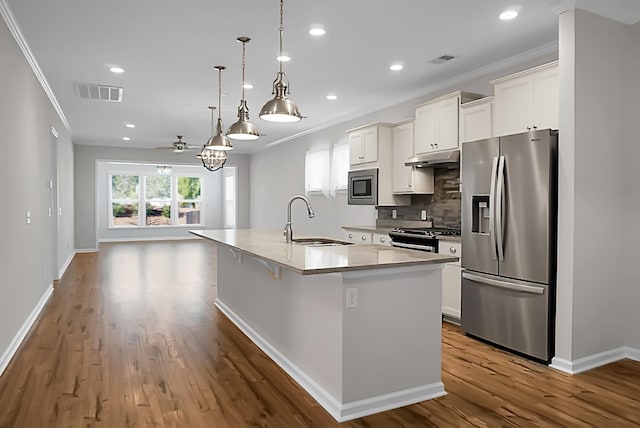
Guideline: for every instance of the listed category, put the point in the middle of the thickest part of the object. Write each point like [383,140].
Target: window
[229,188]
[189,200]
[317,171]
[125,197]
[340,167]
[169,200]
[158,200]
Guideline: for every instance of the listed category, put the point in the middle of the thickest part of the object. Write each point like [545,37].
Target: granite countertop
[308,260]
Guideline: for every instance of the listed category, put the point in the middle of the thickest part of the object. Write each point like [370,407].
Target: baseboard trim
[341,412]
[66,264]
[86,250]
[8,354]
[596,360]
[155,238]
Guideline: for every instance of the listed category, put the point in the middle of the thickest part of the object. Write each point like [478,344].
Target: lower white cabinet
[451,280]
[358,236]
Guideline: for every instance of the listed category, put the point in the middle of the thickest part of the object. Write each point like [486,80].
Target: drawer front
[450,248]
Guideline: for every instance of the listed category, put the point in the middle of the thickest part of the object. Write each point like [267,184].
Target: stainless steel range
[424,239]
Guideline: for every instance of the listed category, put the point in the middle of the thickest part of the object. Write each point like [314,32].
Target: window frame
[142,199]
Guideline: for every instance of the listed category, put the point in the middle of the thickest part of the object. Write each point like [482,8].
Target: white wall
[631,160]
[595,275]
[212,203]
[85,182]
[277,173]
[27,262]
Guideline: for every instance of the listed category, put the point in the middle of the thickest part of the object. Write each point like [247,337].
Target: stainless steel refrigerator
[509,217]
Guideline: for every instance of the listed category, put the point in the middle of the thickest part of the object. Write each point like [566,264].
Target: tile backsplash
[443,207]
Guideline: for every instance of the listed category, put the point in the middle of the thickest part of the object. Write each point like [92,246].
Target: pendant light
[243,129]
[219,141]
[212,159]
[280,109]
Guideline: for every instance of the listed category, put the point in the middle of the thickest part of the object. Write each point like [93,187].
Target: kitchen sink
[319,242]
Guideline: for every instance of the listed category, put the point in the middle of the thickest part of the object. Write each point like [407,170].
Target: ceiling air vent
[100,92]
[442,59]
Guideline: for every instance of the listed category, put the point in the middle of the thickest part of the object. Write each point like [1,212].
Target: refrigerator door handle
[499,210]
[524,288]
[492,205]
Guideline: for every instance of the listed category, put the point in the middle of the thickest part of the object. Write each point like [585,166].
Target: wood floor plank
[131,338]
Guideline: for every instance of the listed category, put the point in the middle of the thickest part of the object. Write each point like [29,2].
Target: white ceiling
[169,48]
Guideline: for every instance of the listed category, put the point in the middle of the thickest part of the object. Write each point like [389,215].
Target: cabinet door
[475,122]
[370,144]
[447,124]
[546,99]
[424,131]
[402,150]
[451,280]
[355,148]
[513,106]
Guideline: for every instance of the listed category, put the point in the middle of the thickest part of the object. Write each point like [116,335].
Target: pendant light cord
[243,64]
[281,30]
[219,92]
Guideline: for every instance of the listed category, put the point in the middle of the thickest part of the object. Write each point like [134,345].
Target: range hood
[434,159]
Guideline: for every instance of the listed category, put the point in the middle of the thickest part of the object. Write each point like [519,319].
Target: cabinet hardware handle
[409,184]
[364,238]
[452,250]
[382,240]
[535,127]
[351,235]
[528,128]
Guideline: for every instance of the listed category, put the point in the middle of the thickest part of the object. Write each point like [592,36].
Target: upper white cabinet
[526,100]
[476,120]
[436,123]
[363,145]
[408,179]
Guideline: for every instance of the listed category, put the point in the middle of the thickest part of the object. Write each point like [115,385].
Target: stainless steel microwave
[363,187]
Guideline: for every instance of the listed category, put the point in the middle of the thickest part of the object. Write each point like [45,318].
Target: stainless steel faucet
[288,231]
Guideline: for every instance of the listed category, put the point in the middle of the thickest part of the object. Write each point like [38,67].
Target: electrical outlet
[394,214]
[423,214]
[352,298]
[28,217]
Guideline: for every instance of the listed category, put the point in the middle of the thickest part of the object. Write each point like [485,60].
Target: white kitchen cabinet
[408,179]
[381,239]
[358,236]
[526,100]
[451,280]
[363,145]
[436,123]
[476,120]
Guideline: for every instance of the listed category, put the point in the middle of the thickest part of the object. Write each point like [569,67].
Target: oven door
[363,187]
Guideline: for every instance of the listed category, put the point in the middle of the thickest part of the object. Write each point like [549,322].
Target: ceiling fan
[178,146]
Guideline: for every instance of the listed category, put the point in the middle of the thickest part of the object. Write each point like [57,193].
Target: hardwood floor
[131,338]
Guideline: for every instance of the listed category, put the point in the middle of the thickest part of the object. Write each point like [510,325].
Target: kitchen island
[357,326]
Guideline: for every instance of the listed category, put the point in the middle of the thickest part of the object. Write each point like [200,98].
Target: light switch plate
[423,214]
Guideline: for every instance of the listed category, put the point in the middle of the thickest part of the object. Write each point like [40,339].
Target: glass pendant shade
[243,129]
[212,160]
[280,109]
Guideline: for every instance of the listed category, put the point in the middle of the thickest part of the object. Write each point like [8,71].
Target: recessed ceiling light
[332,97]
[317,30]
[116,70]
[130,125]
[247,85]
[283,58]
[508,14]
[126,138]
[396,67]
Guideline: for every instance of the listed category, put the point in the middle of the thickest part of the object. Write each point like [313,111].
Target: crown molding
[14,28]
